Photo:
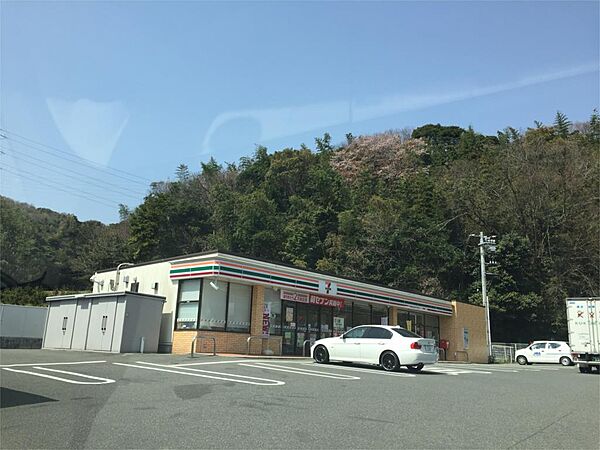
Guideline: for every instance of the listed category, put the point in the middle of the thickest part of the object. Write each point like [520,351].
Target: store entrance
[304,322]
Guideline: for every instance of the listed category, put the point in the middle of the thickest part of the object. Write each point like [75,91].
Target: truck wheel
[584,368]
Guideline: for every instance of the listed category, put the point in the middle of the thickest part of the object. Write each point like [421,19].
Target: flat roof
[104,294]
[291,266]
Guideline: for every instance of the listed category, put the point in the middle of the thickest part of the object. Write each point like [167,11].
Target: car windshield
[405,333]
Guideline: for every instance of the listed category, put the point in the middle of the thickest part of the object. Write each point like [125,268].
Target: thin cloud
[276,123]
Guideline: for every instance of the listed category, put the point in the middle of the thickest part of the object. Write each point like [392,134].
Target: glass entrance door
[304,322]
[301,327]
[288,327]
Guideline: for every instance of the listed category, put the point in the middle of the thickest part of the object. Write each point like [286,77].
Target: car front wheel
[415,367]
[389,361]
[565,361]
[321,355]
[521,360]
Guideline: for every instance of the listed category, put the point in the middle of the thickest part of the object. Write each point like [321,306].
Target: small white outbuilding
[119,322]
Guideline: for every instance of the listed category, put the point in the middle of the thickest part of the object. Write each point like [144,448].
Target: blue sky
[99,98]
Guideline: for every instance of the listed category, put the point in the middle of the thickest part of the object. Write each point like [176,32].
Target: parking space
[88,400]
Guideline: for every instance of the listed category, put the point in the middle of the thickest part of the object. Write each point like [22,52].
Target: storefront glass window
[312,320]
[432,327]
[362,314]
[187,308]
[342,319]
[404,320]
[212,312]
[326,322]
[420,324]
[379,312]
[273,301]
[238,311]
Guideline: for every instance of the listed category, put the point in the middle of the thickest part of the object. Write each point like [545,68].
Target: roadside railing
[308,341]
[262,337]
[199,338]
[504,352]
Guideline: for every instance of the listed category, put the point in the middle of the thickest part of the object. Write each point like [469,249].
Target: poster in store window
[338,325]
[289,314]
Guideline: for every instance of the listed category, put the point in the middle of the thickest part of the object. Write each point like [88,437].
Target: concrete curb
[233,355]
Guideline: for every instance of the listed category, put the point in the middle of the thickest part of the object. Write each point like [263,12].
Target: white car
[386,346]
[557,352]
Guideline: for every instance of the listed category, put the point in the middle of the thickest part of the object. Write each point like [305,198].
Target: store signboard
[326,301]
[312,299]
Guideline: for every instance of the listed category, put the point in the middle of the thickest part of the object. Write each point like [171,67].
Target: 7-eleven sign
[327,287]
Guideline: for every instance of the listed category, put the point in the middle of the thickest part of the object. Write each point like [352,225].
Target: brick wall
[467,316]
[393,316]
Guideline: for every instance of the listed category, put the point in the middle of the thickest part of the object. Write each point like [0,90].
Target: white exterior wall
[147,275]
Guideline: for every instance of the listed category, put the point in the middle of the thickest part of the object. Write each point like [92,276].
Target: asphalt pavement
[66,399]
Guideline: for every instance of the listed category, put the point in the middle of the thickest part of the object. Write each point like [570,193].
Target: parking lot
[97,400]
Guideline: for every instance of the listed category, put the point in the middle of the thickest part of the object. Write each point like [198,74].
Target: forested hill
[54,249]
[396,208]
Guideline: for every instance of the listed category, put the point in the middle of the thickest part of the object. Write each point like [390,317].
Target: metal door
[101,326]
[59,328]
[81,322]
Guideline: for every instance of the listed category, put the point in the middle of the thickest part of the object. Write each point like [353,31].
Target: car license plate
[428,348]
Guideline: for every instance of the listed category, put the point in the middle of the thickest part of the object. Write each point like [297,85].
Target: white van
[557,352]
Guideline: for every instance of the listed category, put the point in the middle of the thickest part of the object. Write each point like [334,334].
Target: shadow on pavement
[10,397]
[380,369]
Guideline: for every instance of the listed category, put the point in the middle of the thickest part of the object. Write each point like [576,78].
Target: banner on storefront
[327,301]
[312,299]
[266,319]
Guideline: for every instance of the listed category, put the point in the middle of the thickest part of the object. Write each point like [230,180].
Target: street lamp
[486,243]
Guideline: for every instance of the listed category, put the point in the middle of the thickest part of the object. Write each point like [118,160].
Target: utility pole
[490,244]
[486,243]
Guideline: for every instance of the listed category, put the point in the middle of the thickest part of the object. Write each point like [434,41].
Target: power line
[53,184]
[68,153]
[100,183]
[82,162]
[58,188]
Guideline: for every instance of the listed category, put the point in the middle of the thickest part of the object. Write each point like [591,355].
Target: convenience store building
[231,298]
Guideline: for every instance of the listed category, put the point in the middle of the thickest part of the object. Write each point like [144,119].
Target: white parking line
[206,371]
[65,380]
[51,364]
[373,371]
[212,362]
[298,371]
[452,371]
[493,369]
[201,375]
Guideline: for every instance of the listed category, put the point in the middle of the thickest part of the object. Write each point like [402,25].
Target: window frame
[226,330]
[199,301]
[179,302]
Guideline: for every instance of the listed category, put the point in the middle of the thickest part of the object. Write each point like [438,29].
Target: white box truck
[584,332]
